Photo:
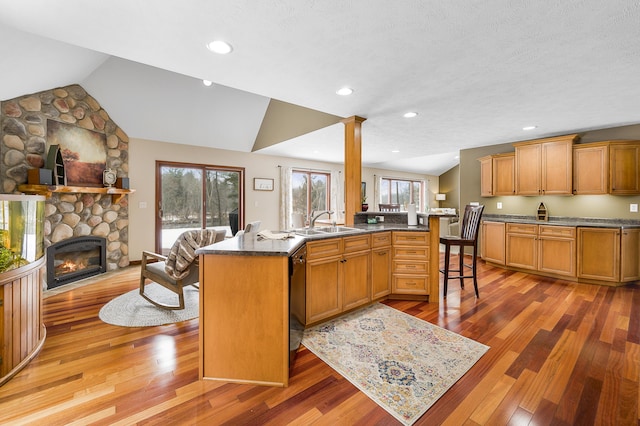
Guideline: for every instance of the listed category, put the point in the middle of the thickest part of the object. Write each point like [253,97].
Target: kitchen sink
[325,230]
[334,229]
[307,231]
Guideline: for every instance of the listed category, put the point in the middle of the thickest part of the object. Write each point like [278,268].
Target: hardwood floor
[561,353]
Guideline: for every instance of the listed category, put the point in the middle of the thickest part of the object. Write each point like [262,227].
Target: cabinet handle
[382,253]
[411,283]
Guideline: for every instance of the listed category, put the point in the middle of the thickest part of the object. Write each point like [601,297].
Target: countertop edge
[249,244]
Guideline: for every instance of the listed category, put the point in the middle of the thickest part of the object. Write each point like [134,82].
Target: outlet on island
[380,218]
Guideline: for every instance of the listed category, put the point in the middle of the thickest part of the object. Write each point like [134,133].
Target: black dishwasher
[297,284]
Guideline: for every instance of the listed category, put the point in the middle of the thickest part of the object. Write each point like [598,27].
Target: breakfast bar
[249,298]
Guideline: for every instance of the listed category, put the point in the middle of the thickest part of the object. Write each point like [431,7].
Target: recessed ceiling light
[219,46]
[207,82]
[457,157]
[344,91]
[410,114]
[395,151]
[529,127]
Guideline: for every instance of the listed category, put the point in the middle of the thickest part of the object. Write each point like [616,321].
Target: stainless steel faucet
[315,216]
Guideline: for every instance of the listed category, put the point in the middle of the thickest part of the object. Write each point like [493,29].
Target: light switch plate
[633,208]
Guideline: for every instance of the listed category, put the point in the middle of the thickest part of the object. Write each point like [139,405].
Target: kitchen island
[245,300]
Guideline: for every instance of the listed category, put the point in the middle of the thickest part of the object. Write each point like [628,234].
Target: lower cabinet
[588,254]
[492,244]
[543,248]
[630,255]
[380,264]
[335,281]
[599,254]
[410,263]
[609,254]
[557,250]
[521,245]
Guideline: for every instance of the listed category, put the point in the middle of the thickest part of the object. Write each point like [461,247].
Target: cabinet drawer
[522,228]
[410,238]
[410,267]
[381,239]
[421,253]
[324,248]
[357,243]
[557,231]
[408,284]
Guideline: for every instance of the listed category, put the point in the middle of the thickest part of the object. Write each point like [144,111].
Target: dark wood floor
[561,353]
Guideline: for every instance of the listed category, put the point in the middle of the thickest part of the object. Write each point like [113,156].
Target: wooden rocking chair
[180,268]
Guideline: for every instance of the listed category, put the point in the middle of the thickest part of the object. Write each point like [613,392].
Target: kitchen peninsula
[245,290]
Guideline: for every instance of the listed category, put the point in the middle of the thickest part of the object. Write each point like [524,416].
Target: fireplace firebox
[74,259]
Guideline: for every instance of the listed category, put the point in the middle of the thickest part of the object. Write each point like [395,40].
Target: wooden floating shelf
[47,190]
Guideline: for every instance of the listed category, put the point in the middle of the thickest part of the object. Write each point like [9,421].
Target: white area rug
[132,310]
[401,362]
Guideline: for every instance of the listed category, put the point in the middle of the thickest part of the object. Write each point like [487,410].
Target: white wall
[259,205]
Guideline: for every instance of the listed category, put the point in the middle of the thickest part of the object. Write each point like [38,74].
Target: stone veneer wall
[23,133]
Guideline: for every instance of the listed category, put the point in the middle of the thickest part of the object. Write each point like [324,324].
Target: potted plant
[365,206]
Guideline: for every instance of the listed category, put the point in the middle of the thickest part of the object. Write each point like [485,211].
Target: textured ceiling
[475,71]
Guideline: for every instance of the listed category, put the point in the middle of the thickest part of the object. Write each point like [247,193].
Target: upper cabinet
[559,166]
[545,166]
[624,161]
[497,174]
[591,168]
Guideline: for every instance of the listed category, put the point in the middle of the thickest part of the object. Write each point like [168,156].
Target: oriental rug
[132,310]
[401,362]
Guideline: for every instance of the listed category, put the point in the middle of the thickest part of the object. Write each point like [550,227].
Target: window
[310,191]
[402,192]
[196,196]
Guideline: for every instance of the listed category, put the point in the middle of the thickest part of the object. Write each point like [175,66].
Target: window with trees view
[195,196]
[401,191]
[310,191]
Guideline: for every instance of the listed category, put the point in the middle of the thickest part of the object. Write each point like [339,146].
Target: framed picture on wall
[262,184]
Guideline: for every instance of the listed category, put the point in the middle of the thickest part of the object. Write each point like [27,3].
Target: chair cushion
[158,269]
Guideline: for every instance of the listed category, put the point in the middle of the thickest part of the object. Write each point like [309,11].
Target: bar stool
[468,238]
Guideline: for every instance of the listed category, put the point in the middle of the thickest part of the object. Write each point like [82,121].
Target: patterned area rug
[131,310]
[401,362]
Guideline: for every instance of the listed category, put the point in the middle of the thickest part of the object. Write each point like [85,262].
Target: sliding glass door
[196,196]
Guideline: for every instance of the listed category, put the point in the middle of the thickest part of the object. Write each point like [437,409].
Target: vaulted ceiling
[476,72]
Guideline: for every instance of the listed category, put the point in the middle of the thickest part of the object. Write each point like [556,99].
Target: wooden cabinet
[624,165]
[609,254]
[356,266]
[410,263]
[599,254]
[497,175]
[591,168]
[492,242]
[486,176]
[557,250]
[244,319]
[521,245]
[380,264]
[630,255]
[22,332]
[337,276]
[545,166]
[324,290]
[543,248]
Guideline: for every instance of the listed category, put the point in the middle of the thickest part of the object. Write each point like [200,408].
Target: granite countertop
[251,245]
[565,221]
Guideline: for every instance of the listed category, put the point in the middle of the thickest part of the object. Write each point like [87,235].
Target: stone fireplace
[73,214]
